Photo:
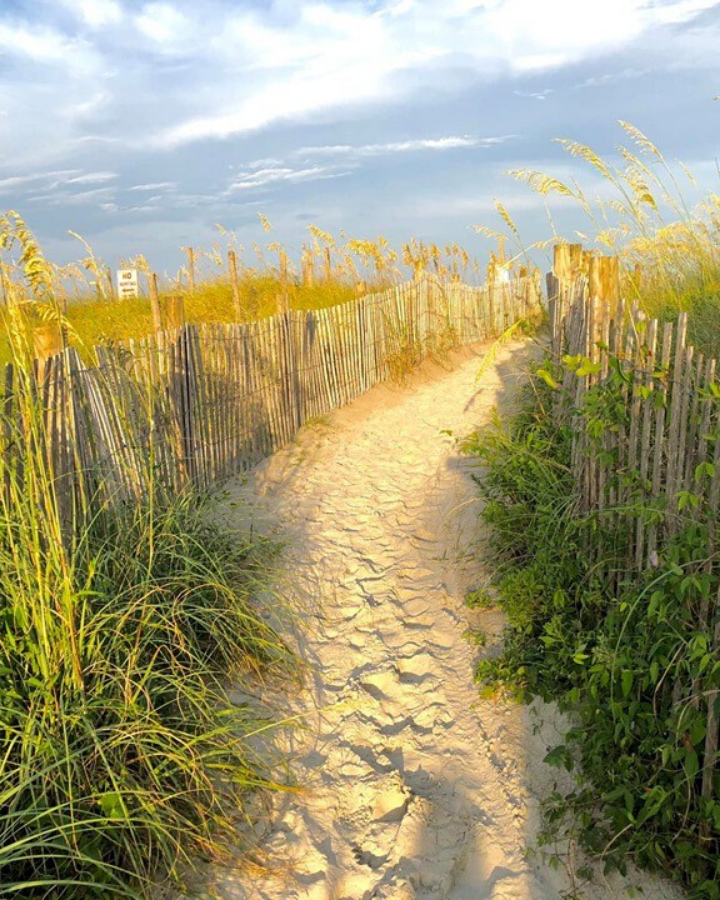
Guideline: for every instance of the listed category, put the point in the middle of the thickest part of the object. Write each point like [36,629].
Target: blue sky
[142,125]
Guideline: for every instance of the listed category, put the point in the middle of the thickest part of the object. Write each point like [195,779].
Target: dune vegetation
[632,656]
[217,285]
[122,758]
[653,214]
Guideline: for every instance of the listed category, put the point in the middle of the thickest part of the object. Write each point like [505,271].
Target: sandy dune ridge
[416,789]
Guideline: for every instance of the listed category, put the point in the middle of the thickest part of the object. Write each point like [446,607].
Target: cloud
[320,56]
[272,170]
[38,180]
[412,146]
[66,198]
[261,177]
[92,178]
[164,24]
[309,90]
[612,77]
[43,45]
[154,186]
[95,13]
[531,95]
[188,72]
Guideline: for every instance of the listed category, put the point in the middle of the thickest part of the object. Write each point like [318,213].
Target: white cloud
[96,13]
[323,57]
[65,198]
[534,95]
[275,174]
[92,178]
[271,170]
[444,143]
[155,186]
[612,77]
[163,23]
[42,45]
[158,74]
[42,180]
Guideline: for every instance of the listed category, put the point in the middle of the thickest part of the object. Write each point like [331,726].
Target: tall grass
[668,243]
[268,279]
[121,755]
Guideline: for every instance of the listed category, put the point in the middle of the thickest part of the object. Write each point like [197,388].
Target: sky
[145,125]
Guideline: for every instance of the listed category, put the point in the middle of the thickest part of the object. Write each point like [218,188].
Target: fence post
[175,312]
[191,269]
[567,267]
[307,265]
[47,340]
[567,261]
[284,281]
[155,302]
[232,264]
[604,290]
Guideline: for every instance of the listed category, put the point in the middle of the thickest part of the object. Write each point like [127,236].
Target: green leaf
[112,805]
[705,468]
[560,758]
[547,378]
[588,368]
[627,682]
[697,733]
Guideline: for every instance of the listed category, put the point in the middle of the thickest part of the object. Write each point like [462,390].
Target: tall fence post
[47,340]
[604,293]
[567,267]
[191,270]
[307,266]
[232,264]
[155,302]
[175,312]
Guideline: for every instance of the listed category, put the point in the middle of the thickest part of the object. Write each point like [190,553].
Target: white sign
[127,280]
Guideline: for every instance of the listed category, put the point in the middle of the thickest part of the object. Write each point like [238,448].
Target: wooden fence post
[567,261]
[191,270]
[175,312]
[604,290]
[567,267]
[232,265]
[47,340]
[285,296]
[307,265]
[155,302]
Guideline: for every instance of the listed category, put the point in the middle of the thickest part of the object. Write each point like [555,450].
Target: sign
[127,280]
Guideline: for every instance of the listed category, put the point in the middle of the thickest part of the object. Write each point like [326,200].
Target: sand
[415,788]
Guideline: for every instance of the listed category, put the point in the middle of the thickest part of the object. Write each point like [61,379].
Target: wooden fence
[647,452]
[201,403]
[645,411]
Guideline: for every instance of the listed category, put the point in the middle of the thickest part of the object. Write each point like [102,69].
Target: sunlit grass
[222,284]
[669,245]
[122,757]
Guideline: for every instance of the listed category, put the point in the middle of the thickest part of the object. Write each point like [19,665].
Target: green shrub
[121,753]
[635,667]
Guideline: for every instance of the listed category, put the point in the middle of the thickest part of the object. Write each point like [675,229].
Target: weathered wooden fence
[201,403]
[647,453]
[645,411]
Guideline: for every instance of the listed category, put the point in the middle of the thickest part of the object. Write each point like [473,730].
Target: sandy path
[415,787]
